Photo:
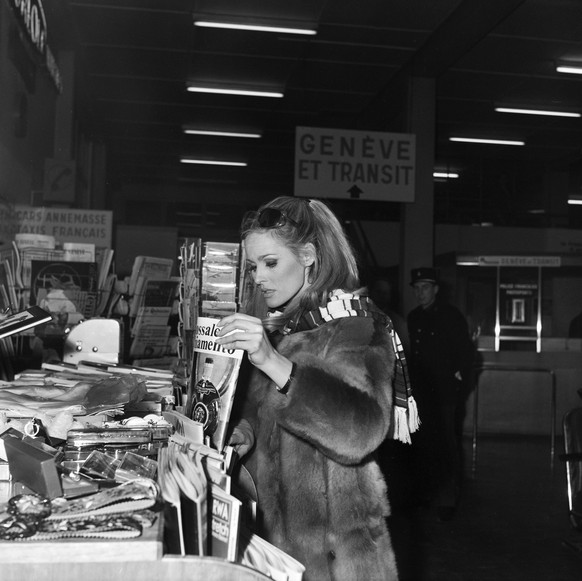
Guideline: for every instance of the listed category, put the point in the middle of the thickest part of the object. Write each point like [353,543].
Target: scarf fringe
[401,429]
[413,417]
[406,421]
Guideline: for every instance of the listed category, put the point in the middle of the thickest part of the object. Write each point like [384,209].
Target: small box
[33,467]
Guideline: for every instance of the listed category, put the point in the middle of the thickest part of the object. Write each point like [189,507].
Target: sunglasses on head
[269,218]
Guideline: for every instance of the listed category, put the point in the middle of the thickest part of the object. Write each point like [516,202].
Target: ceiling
[137,56]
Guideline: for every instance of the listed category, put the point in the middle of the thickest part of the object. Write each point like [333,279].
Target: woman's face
[278,272]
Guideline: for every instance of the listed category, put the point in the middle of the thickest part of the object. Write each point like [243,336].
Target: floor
[511,523]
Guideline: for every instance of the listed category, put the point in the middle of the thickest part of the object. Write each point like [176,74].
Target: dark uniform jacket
[440,346]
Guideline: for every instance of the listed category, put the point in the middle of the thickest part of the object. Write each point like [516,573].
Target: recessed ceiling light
[211,162]
[536,112]
[244,92]
[487,141]
[254,27]
[191,131]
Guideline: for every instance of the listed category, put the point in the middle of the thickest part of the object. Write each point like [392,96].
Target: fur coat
[321,495]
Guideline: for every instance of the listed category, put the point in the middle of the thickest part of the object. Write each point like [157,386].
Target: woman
[319,398]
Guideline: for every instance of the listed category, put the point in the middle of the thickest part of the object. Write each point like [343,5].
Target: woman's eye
[271,264]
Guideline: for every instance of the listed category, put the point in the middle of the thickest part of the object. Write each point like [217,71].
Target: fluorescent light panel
[569,69]
[254,27]
[191,131]
[536,112]
[487,141]
[212,162]
[244,92]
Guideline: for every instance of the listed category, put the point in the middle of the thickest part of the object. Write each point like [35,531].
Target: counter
[515,389]
[168,568]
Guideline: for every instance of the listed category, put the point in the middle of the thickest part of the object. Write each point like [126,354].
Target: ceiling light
[536,112]
[445,174]
[212,162]
[254,27]
[575,200]
[191,131]
[488,141]
[569,69]
[244,92]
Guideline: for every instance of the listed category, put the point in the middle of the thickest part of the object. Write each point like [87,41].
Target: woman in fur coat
[319,398]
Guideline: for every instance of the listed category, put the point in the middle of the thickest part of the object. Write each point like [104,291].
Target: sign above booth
[553,261]
[365,165]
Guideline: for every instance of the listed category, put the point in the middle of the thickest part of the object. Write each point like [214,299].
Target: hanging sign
[366,165]
[30,15]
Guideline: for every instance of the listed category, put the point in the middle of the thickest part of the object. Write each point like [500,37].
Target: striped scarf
[340,305]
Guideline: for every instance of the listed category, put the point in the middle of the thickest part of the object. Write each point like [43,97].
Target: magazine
[212,382]
[184,490]
[224,515]
[261,555]
[24,320]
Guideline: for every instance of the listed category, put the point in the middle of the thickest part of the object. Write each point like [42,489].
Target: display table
[147,548]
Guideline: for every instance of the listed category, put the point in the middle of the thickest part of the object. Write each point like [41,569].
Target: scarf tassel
[413,417]
[401,429]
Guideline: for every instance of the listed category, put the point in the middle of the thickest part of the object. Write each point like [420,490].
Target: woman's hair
[334,267]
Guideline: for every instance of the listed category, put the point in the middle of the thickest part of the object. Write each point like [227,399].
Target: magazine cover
[66,289]
[213,382]
[224,515]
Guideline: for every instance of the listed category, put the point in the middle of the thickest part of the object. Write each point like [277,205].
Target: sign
[65,224]
[31,18]
[365,165]
[517,302]
[59,180]
[554,261]
[30,14]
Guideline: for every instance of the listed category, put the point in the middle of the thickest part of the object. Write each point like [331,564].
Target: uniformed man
[441,360]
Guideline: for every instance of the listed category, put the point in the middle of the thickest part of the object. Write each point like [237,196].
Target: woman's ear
[308,254]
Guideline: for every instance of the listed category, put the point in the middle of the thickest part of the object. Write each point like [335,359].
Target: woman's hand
[242,438]
[240,331]
[244,332]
